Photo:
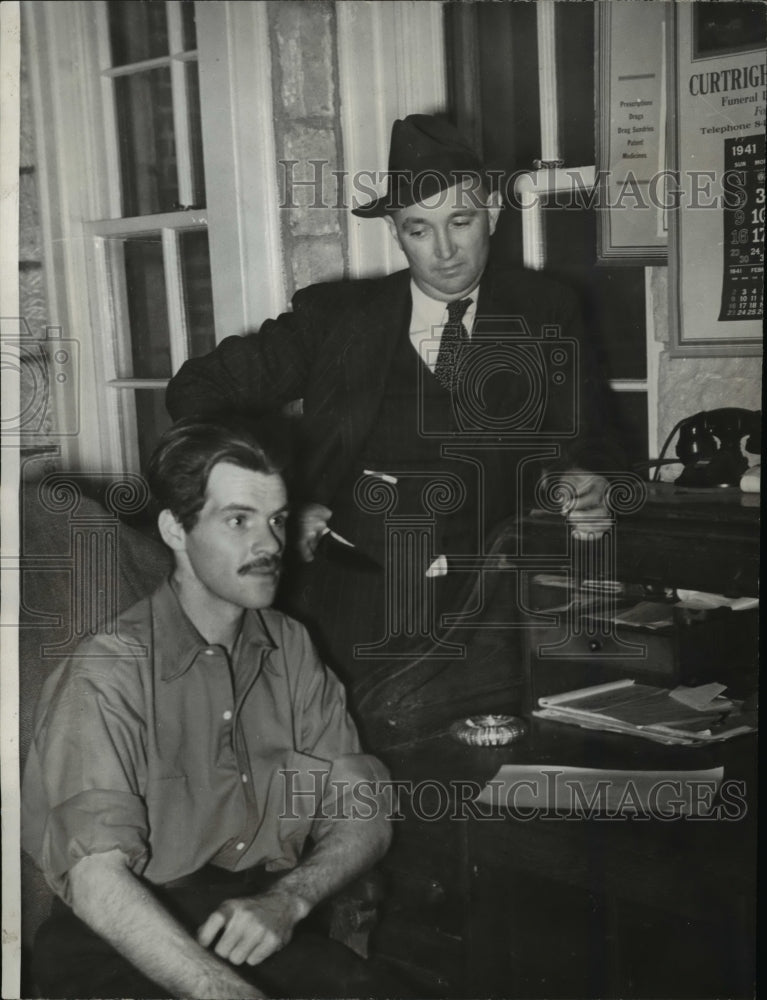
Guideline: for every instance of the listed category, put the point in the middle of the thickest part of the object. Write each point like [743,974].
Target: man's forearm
[114,903]
[348,847]
[250,929]
[254,374]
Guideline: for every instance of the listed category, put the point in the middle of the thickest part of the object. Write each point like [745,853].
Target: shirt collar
[177,643]
[429,313]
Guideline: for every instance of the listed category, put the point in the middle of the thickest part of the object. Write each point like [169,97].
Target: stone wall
[307,128]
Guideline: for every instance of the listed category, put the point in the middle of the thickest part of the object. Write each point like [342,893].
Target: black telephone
[709,445]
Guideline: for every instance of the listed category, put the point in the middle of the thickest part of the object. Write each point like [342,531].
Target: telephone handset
[709,445]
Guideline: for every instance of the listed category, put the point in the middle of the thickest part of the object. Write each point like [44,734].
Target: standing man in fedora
[412,392]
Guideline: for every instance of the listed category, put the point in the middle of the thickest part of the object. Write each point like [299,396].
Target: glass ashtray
[488,730]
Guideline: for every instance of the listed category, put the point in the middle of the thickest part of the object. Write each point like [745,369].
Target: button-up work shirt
[151,741]
[427,321]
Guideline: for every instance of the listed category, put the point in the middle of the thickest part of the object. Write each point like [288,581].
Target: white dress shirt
[428,319]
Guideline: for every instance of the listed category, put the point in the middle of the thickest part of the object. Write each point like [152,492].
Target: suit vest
[415,422]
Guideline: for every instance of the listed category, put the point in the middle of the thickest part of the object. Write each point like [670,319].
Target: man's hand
[255,927]
[584,504]
[252,928]
[312,523]
[118,907]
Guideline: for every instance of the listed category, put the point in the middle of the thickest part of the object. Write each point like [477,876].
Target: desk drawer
[719,648]
[423,912]
[635,650]
[556,665]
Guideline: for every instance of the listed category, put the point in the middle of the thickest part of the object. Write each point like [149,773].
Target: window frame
[547,178]
[80,200]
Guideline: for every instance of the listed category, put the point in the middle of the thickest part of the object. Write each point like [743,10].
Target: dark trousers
[70,960]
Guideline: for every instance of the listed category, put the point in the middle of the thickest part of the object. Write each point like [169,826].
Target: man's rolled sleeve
[93,822]
[81,783]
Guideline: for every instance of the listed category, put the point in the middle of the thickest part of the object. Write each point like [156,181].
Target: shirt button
[210,652]
[245,778]
[227,715]
[241,846]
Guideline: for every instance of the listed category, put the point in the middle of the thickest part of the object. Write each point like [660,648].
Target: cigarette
[384,476]
[338,538]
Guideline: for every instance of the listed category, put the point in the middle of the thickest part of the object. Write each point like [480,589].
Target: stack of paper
[686,716]
[584,791]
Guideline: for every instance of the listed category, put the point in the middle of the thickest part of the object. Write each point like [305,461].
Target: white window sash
[79,183]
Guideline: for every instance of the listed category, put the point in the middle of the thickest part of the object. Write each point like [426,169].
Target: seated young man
[189,801]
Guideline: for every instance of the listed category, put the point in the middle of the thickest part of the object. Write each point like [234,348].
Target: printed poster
[719,118]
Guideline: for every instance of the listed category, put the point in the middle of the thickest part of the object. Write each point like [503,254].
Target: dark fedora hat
[426,155]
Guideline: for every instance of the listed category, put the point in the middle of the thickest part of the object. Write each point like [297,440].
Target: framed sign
[718,78]
[631,132]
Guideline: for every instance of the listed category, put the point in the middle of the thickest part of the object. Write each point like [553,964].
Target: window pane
[144,107]
[198,291]
[151,419]
[195,134]
[188,25]
[613,297]
[137,30]
[147,307]
[495,96]
[575,81]
[508,70]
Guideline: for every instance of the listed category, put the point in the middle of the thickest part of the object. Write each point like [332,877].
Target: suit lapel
[363,348]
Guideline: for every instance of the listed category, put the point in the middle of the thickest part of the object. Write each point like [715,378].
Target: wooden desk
[592,907]
[581,907]
[696,539]
[508,907]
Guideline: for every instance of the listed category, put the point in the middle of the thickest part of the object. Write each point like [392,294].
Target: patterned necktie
[454,338]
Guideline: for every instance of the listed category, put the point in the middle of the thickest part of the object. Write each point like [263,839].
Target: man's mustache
[263,564]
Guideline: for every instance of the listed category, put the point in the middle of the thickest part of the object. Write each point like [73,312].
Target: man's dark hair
[186,453]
